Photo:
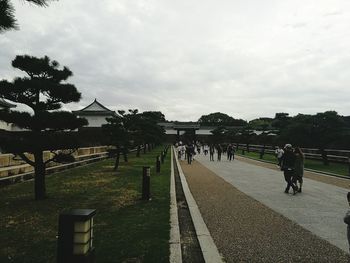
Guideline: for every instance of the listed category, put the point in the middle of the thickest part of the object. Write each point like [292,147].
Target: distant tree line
[220,119]
[321,130]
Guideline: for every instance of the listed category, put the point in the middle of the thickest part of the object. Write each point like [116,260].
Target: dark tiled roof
[87,110]
[94,113]
[6,104]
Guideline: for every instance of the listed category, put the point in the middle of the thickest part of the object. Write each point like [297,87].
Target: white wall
[171,131]
[5,126]
[95,121]
[198,132]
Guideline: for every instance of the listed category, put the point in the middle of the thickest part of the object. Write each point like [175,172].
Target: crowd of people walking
[290,160]
[188,151]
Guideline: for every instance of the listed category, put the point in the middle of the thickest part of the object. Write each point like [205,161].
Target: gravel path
[245,230]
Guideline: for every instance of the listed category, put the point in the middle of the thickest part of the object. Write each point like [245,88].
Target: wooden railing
[326,155]
[13,170]
[12,167]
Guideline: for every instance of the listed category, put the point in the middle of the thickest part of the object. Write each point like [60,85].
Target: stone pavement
[251,231]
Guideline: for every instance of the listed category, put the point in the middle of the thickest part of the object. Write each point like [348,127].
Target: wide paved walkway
[319,209]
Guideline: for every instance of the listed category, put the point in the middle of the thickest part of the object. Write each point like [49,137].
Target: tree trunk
[116,163]
[144,148]
[39,179]
[138,151]
[125,154]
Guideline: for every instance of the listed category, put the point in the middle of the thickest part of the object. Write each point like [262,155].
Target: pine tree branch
[24,158]
[62,156]
[38,2]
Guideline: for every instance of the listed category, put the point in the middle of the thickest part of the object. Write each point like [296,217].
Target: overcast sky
[186,58]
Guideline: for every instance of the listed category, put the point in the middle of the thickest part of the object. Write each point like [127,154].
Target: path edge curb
[207,245]
[174,241]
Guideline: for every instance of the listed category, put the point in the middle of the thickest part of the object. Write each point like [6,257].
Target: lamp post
[162,155]
[146,183]
[75,236]
[158,164]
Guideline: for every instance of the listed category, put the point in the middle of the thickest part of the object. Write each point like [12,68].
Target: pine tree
[133,129]
[7,13]
[44,90]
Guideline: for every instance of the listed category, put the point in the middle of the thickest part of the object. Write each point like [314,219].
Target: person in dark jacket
[219,151]
[287,166]
[189,153]
[298,168]
[347,220]
[229,152]
[211,151]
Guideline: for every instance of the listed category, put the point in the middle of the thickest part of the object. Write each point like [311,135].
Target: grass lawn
[336,168]
[126,228]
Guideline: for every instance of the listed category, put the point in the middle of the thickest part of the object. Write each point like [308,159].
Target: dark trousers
[279,161]
[189,158]
[219,156]
[288,177]
[211,156]
[296,179]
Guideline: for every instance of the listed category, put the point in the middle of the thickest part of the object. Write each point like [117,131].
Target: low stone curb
[208,247]
[175,244]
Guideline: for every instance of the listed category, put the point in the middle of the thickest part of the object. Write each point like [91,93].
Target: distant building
[5,106]
[95,113]
[192,130]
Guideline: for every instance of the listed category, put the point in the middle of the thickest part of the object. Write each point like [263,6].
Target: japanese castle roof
[95,108]
[6,104]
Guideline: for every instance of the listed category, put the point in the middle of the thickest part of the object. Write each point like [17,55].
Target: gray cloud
[187,58]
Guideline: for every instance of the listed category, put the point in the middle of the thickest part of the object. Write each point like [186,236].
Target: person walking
[189,153]
[279,153]
[179,148]
[288,164]
[347,220]
[219,151]
[298,168]
[229,152]
[206,149]
[211,152]
[198,145]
